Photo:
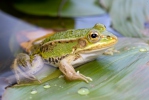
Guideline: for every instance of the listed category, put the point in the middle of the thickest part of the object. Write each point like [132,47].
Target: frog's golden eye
[94,36]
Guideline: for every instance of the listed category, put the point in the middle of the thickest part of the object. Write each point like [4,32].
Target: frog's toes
[110,51]
[88,78]
[39,81]
[116,51]
[25,67]
[83,77]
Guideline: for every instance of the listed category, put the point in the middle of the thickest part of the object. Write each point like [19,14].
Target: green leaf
[65,8]
[106,3]
[129,17]
[123,76]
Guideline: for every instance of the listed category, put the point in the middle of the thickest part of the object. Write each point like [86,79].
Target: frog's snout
[110,36]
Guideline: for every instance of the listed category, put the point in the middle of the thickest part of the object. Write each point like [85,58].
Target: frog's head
[96,39]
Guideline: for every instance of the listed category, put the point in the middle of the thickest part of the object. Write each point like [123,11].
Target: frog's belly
[86,57]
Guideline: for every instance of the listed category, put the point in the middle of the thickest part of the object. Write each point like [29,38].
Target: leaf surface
[65,8]
[123,76]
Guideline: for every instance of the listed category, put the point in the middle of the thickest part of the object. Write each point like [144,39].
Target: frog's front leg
[27,66]
[67,69]
[110,51]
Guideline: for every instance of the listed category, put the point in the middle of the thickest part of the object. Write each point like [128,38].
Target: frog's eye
[94,36]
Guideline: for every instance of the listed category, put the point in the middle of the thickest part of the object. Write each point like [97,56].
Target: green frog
[65,50]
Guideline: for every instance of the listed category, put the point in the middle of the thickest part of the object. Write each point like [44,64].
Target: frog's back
[53,51]
[69,34]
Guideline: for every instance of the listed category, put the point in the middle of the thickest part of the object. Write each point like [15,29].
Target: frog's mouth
[91,52]
[95,50]
[101,46]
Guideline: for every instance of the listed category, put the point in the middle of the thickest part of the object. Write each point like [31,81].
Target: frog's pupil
[94,35]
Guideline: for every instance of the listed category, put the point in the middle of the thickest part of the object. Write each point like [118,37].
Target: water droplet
[61,76]
[133,47]
[33,91]
[143,50]
[83,91]
[30,97]
[46,86]
[60,86]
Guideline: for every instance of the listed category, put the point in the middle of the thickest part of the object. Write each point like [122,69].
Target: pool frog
[65,50]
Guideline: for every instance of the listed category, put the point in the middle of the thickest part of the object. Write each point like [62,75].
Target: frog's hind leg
[18,72]
[25,66]
[67,69]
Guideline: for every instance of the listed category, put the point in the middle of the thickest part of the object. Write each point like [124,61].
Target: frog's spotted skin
[65,50]
[54,60]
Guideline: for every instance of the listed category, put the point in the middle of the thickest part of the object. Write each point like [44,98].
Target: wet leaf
[130,17]
[123,76]
[65,8]
[106,3]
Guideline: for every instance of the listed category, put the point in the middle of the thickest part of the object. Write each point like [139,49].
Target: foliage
[112,78]
[122,76]
[129,17]
[62,8]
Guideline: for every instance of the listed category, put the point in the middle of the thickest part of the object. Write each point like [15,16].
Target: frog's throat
[98,47]
[95,50]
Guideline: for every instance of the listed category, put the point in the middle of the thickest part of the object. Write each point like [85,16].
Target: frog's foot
[25,67]
[83,77]
[67,69]
[110,51]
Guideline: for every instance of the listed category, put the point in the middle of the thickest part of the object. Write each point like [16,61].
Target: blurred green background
[123,76]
